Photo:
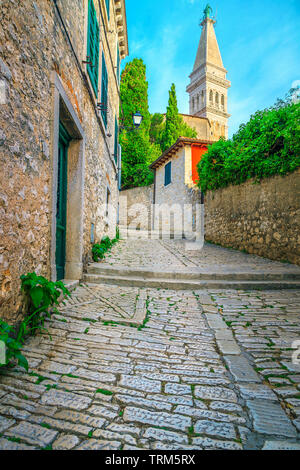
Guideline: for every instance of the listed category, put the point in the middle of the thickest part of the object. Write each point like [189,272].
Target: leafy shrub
[42,294]
[13,347]
[99,250]
[269,144]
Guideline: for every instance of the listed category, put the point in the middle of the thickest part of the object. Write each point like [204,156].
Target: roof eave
[182,141]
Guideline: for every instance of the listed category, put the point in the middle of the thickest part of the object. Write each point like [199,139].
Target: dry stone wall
[263,219]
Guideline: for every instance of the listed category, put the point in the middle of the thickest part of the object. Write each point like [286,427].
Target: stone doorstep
[191,273]
[184,284]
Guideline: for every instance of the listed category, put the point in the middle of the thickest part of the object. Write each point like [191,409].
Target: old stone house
[59,110]
[175,187]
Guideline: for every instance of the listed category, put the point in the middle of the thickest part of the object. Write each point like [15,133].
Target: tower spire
[208,87]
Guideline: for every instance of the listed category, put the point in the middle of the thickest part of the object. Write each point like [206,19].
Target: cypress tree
[175,127]
[137,150]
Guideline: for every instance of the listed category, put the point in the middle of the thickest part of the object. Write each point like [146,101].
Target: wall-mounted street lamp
[137,119]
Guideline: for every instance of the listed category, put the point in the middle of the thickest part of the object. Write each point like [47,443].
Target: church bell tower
[209,86]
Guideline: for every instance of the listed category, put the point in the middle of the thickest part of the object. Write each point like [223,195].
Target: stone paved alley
[150,368]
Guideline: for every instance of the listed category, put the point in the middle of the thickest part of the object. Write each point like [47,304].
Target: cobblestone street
[143,368]
[172,254]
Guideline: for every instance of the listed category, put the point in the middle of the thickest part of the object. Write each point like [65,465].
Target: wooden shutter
[107,8]
[118,63]
[168,169]
[116,140]
[93,47]
[104,90]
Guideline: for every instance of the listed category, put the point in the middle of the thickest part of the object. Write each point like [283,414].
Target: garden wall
[130,197]
[263,219]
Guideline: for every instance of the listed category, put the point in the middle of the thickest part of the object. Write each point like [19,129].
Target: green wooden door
[61,211]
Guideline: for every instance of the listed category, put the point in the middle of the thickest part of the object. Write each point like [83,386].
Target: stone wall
[263,219]
[144,198]
[201,125]
[37,59]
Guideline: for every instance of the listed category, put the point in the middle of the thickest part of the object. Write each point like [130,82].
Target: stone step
[191,274]
[184,284]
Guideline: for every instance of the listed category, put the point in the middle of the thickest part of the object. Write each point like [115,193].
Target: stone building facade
[175,178]
[59,75]
[208,88]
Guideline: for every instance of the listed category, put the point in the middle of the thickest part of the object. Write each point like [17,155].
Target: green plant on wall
[99,250]
[269,144]
[41,295]
[12,346]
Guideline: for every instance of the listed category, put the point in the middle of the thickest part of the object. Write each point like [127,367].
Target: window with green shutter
[93,47]
[107,7]
[116,140]
[104,91]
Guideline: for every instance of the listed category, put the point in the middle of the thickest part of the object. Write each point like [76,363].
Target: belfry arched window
[211,96]
[223,101]
[217,99]
[202,97]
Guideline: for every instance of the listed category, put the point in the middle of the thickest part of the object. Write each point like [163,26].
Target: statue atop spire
[207,12]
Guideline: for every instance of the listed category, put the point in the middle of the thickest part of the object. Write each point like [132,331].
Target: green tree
[175,127]
[156,128]
[137,150]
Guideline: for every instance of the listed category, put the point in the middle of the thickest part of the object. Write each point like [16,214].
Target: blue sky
[259,42]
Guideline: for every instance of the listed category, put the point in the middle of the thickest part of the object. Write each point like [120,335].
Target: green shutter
[107,7]
[93,47]
[104,91]
[118,63]
[168,170]
[116,140]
